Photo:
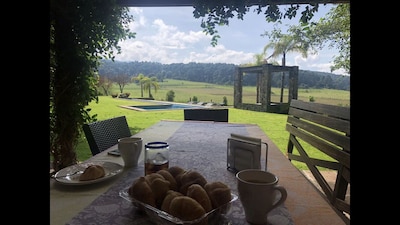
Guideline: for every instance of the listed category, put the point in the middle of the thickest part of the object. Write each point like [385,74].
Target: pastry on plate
[92,172]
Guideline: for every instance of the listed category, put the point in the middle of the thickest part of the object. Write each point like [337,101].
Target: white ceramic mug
[130,149]
[259,193]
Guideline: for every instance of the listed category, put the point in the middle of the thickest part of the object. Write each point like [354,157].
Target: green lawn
[272,124]
[205,92]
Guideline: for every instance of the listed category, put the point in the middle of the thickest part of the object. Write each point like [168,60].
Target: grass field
[206,92]
[272,124]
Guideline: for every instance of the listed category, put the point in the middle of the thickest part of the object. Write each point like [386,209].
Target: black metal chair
[217,115]
[103,134]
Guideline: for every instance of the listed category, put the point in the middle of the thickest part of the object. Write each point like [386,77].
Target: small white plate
[63,176]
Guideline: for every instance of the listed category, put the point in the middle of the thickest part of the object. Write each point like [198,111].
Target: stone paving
[330,177]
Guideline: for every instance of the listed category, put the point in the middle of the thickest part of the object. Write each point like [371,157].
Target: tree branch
[166,3]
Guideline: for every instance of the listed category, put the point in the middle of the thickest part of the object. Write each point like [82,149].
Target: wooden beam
[168,3]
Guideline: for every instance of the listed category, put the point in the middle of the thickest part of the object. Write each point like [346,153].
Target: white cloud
[219,54]
[321,61]
[170,35]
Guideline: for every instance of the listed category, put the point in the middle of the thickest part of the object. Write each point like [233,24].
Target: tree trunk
[282,86]
[283,76]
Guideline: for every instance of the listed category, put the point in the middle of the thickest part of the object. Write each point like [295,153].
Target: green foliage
[218,13]
[148,83]
[170,96]
[225,101]
[81,34]
[194,99]
[338,24]
[282,44]
[332,30]
[311,99]
[140,78]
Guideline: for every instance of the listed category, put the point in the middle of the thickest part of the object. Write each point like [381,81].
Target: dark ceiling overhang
[166,3]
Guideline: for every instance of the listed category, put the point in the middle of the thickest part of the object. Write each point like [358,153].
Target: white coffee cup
[259,193]
[130,149]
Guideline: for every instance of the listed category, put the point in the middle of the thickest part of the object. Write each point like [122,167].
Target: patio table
[195,145]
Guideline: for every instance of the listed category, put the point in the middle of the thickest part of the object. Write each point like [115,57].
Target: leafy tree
[122,80]
[105,84]
[218,13]
[225,101]
[170,95]
[262,58]
[140,78]
[334,29]
[282,44]
[259,59]
[149,82]
[81,33]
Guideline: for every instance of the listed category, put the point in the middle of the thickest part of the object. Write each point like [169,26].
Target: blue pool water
[162,107]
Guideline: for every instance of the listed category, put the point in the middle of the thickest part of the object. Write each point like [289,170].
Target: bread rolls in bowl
[188,202]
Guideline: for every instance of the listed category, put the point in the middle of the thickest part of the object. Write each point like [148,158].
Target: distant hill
[216,73]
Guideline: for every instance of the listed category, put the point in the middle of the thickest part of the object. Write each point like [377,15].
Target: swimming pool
[163,106]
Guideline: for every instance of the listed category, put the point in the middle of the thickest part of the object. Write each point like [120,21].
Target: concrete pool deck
[155,105]
[160,105]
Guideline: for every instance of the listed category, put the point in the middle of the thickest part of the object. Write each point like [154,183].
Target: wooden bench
[319,136]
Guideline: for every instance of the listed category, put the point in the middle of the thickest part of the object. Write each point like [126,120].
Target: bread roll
[159,187]
[197,192]
[191,177]
[175,170]
[168,176]
[92,172]
[168,198]
[186,208]
[178,180]
[218,192]
[150,177]
[141,191]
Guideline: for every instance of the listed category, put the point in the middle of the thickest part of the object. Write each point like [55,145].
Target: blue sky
[172,35]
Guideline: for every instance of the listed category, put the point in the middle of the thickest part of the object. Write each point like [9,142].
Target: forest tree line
[215,73]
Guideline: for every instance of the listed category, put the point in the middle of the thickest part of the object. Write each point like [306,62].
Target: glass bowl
[214,217]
